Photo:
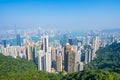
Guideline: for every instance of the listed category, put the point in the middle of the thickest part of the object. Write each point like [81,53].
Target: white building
[41,60]
[44,60]
[45,43]
[48,60]
[80,66]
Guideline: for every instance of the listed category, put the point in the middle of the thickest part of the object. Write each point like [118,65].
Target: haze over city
[60,14]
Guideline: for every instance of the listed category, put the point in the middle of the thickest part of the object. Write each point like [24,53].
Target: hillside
[92,75]
[18,69]
[108,58]
[10,66]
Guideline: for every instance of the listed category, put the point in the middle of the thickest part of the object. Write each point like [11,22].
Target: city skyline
[59,39]
[73,15]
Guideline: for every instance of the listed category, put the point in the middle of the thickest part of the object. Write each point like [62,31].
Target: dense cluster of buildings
[70,55]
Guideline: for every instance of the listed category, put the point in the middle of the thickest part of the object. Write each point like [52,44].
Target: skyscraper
[1,48]
[88,40]
[4,43]
[71,41]
[53,57]
[95,45]
[59,61]
[88,51]
[48,60]
[64,40]
[28,52]
[44,61]
[78,55]
[112,39]
[45,43]
[41,61]
[69,59]
[18,40]
[44,58]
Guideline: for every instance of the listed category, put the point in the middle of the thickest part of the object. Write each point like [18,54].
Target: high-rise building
[66,51]
[41,61]
[95,45]
[53,57]
[1,48]
[36,52]
[71,41]
[79,66]
[14,51]
[112,39]
[45,43]
[88,40]
[56,43]
[48,60]
[62,49]
[78,55]
[28,52]
[44,61]
[39,32]
[88,51]
[4,43]
[18,40]
[86,57]
[64,40]
[69,59]
[59,62]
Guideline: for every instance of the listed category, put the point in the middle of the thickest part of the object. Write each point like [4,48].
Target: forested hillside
[18,69]
[92,75]
[108,58]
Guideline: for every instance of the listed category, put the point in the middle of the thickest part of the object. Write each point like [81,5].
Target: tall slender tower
[4,43]
[69,59]
[95,44]
[41,60]
[18,40]
[45,43]
[59,61]
[53,57]
[48,60]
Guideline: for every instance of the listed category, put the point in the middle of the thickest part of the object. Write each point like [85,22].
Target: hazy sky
[60,14]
